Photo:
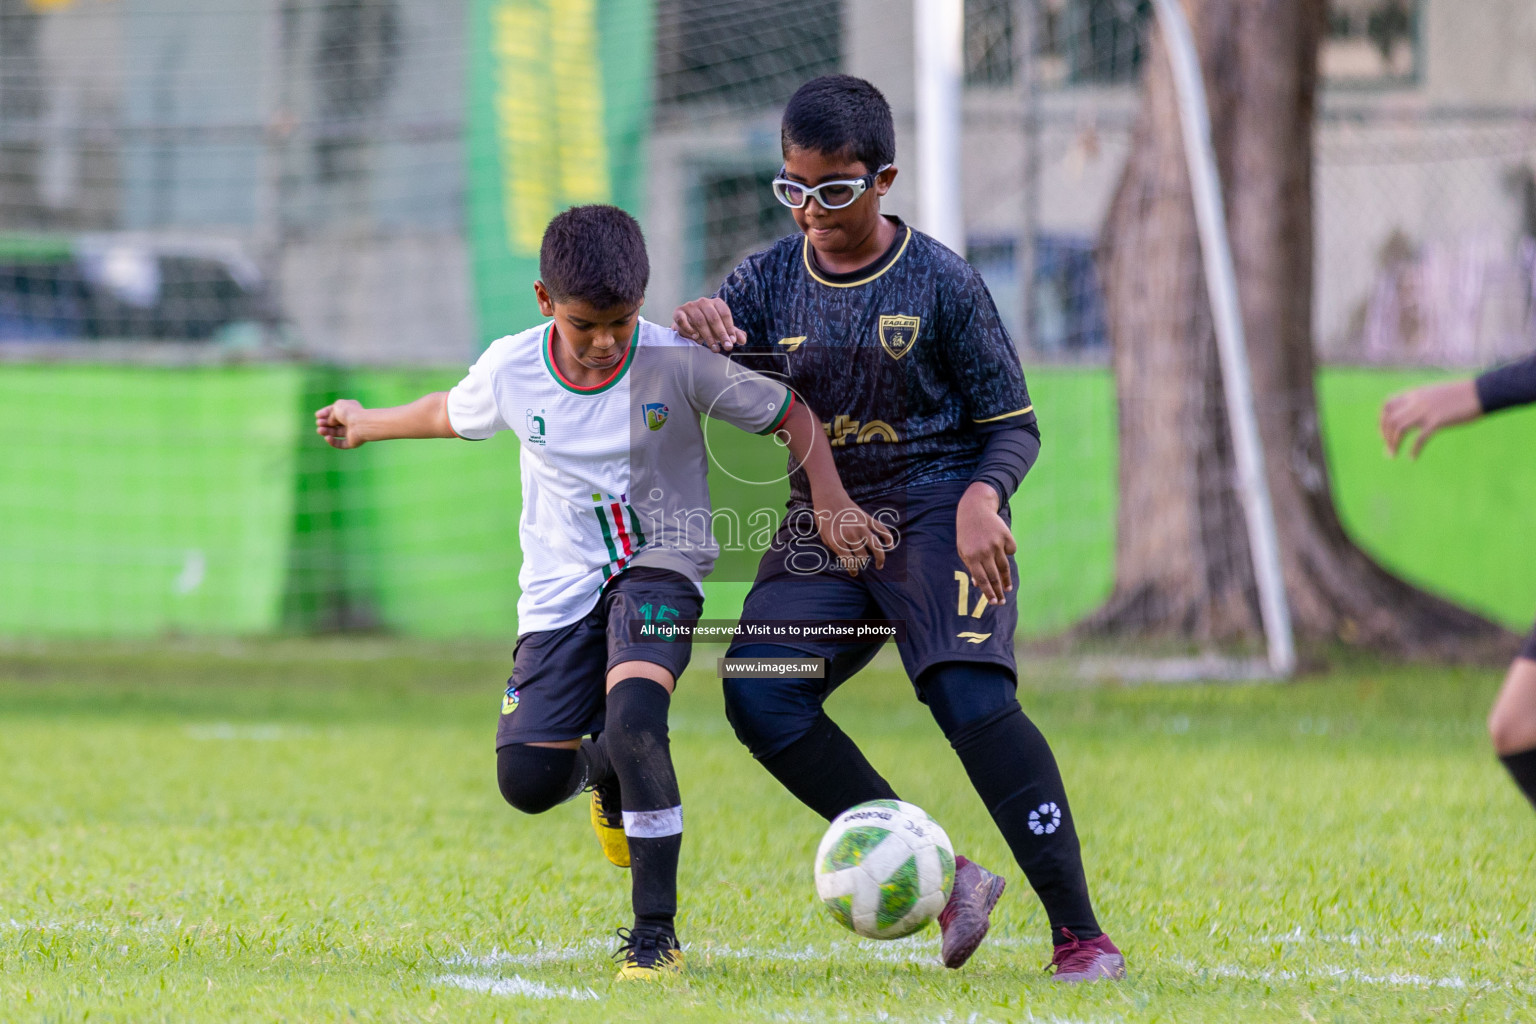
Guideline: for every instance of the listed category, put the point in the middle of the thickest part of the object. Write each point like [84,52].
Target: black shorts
[558,687]
[923,585]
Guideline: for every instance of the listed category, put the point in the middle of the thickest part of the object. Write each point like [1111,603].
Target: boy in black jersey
[1427,410]
[896,340]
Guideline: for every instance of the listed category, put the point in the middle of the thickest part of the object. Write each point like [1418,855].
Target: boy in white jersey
[607,409]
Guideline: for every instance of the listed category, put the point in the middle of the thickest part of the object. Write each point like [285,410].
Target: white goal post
[1237,383]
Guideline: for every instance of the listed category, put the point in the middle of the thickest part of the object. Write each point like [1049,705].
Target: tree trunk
[1183,568]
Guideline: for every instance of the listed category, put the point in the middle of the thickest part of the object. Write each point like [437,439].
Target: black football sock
[635,737]
[826,771]
[1015,773]
[594,764]
[1522,766]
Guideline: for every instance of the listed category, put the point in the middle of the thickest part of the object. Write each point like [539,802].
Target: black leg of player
[1014,772]
[781,722]
[827,771]
[534,779]
[594,765]
[1510,720]
[638,747]
[1522,768]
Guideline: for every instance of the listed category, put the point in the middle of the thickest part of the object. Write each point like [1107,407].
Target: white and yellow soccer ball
[884,868]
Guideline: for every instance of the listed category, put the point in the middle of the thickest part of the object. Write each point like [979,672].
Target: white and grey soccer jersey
[613,475]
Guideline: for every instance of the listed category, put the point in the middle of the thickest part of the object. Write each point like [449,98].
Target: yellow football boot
[608,823]
[648,956]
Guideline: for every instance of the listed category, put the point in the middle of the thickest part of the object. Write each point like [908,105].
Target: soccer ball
[884,869]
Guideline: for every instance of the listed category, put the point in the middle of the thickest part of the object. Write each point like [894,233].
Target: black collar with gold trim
[864,274]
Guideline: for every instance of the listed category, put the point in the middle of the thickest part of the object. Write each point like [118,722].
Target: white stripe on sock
[654,824]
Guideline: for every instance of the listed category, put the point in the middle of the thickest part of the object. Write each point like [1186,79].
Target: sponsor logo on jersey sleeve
[898,334]
[655,414]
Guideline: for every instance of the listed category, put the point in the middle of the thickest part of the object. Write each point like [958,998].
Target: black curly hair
[596,254]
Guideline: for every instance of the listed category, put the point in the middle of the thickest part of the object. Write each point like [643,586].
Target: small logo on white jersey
[536,427]
[1045,819]
[655,414]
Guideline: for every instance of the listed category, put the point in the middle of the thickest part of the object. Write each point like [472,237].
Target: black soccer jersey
[902,360]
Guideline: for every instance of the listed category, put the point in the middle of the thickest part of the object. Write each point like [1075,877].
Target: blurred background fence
[215,216]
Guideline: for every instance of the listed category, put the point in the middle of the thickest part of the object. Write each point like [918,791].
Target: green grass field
[303,831]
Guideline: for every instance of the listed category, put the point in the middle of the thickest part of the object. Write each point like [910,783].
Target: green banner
[559,108]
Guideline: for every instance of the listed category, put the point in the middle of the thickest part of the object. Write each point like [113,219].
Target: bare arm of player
[345,423]
[1428,410]
[985,541]
[850,532]
[708,321]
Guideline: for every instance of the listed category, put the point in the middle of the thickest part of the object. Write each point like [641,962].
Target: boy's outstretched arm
[345,423]
[845,528]
[1427,410]
[1430,408]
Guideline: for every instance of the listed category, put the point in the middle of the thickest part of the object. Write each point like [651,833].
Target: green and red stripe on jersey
[778,421]
[621,530]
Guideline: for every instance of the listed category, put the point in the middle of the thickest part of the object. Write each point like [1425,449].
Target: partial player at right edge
[1428,410]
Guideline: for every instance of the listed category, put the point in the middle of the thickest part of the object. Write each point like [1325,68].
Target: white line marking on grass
[540,955]
[947,1017]
[916,950]
[1296,935]
[513,986]
[782,954]
[899,951]
[1343,974]
[920,950]
[1393,979]
[231,731]
[904,953]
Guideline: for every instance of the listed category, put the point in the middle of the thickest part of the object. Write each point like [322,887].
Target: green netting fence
[143,501]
